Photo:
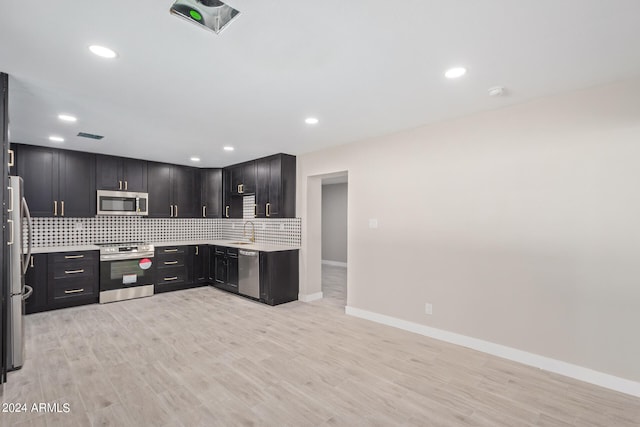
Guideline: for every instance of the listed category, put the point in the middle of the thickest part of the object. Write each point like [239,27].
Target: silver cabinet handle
[197,250]
[119,185]
[32,262]
[166,251]
[73,256]
[170,262]
[226,211]
[171,210]
[176,210]
[204,212]
[74,291]
[169,279]
[10,199]
[10,242]
[268,209]
[12,158]
[55,208]
[126,185]
[74,271]
[62,208]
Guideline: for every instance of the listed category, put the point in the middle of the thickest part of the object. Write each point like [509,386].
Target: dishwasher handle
[247,253]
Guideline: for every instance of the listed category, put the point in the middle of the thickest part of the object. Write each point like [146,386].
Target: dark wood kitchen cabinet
[172,268]
[224,268]
[58,182]
[36,277]
[242,178]
[121,174]
[211,193]
[279,276]
[276,187]
[199,255]
[173,191]
[72,279]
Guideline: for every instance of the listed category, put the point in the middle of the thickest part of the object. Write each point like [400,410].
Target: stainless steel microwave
[122,203]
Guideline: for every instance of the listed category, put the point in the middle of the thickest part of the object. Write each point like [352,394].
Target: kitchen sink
[241,243]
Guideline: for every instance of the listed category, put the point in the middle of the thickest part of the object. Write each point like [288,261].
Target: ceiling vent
[90,135]
[211,14]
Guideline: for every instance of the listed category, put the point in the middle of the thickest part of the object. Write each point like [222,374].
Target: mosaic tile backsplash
[50,232]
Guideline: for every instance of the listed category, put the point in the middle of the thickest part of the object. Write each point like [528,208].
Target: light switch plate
[373,223]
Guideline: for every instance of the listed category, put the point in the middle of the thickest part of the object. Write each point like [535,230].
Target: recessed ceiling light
[56,139]
[195,159]
[454,73]
[228,148]
[102,51]
[67,118]
[311,121]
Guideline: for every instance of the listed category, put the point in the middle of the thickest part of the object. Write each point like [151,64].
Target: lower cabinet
[36,277]
[200,261]
[224,268]
[171,268]
[279,277]
[72,278]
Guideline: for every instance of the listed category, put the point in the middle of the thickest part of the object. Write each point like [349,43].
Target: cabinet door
[109,173]
[159,184]
[184,192]
[249,177]
[134,175]
[38,167]
[77,185]
[232,272]
[200,268]
[262,186]
[211,182]
[236,174]
[220,267]
[226,192]
[36,277]
[275,187]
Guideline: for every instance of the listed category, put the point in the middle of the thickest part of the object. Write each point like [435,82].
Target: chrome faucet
[252,239]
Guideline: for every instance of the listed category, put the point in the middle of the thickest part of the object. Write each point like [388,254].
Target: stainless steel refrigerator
[19,248]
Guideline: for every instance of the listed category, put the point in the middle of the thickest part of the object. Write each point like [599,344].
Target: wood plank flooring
[203,357]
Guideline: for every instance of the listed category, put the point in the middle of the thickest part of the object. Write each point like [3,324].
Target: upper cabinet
[57,182]
[276,192]
[119,173]
[174,191]
[272,180]
[211,193]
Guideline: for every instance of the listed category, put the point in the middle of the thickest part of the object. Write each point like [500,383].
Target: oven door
[126,273]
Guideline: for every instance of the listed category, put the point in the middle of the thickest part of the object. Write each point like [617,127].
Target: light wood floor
[205,357]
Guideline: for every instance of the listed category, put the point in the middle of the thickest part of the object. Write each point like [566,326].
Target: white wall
[334,222]
[521,226]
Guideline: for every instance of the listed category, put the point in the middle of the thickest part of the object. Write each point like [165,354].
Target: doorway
[334,240]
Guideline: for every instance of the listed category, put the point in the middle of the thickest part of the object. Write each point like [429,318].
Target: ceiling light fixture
[56,139]
[103,52]
[195,159]
[67,118]
[311,121]
[454,73]
[228,148]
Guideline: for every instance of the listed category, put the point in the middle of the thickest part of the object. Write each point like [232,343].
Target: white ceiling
[363,67]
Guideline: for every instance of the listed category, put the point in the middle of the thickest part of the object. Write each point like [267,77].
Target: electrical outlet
[373,223]
[428,308]
[79,226]
[264,226]
[282,227]
[233,225]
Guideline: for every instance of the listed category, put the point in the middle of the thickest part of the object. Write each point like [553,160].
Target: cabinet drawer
[171,260]
[73,256]
[173,250]
[172,276]
[69,289]
[74,270]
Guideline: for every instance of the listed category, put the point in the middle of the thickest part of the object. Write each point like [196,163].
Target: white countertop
[263,247]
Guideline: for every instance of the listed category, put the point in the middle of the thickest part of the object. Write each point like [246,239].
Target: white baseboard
[334,263]
[310,297]
[552,365]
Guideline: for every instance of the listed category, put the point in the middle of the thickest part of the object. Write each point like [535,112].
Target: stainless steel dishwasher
[249,273]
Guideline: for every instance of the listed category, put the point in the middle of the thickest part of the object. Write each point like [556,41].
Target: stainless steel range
[126,271]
